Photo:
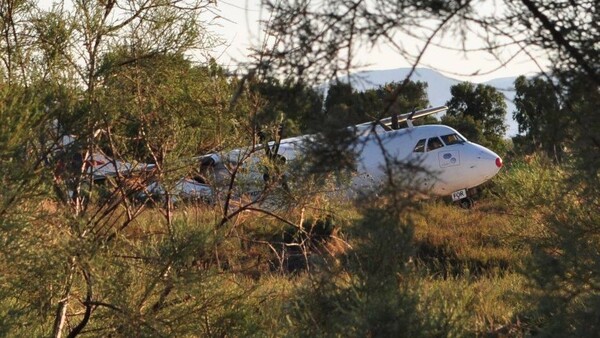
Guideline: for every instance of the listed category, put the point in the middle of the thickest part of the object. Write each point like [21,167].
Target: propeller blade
[395,122]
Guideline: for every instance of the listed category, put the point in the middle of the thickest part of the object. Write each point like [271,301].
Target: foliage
[485,107]
[15,47]
[540,117]
[345,106]
[555,224]
[25,254]
[565,269]
[412,96]
[163,105]
[297,106]
[349,107]
[82,257]
[581,101]
[23,149]
[565,29]
[528,182]
[460,307]
[367,294]
[142,282]
[563,272]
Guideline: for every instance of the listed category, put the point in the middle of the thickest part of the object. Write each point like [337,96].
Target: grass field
[319,266]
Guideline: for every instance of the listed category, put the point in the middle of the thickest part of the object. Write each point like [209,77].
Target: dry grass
[468,262]
[465,270]
[454,241]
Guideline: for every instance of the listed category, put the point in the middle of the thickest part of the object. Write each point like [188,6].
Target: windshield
[434,143]
[452,139]
[420,147]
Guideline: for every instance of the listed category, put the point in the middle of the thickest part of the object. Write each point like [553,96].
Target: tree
[298,105]
[367,294]
[563,271]
[485,106]
[74,263]
[540,116]
[65,246]
[567,30]
[320,41]
[326,36]
[412,97]
[345,106]
[352,107]
[15,42]
[192,119]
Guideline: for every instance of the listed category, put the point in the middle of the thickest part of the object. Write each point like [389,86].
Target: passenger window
[452,139]
[420,147]
[434,143]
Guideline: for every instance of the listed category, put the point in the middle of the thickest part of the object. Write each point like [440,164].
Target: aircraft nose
[466,166]
[490,163]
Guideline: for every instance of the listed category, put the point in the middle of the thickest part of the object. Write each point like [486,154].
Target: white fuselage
[453,163]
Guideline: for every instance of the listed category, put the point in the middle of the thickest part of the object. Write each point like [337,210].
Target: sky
[238,24]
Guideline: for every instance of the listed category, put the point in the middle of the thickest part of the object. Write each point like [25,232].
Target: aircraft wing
[414,115]
[386,124]
[102,166]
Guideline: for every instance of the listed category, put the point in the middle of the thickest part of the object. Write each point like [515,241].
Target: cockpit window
[420,147]
[452,139]
[434,143]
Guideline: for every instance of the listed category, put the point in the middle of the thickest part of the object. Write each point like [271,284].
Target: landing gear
[466,203]
[463,199]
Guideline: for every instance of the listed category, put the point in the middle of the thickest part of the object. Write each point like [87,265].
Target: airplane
[102,167]
[96,164]
[454,164]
